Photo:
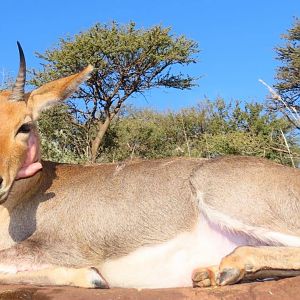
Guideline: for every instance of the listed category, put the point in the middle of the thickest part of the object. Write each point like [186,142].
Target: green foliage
[61,138]
[127,60]
[208,130]
[288,74]
[121,54]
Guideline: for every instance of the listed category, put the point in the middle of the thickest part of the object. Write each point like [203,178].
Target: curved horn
[18,88]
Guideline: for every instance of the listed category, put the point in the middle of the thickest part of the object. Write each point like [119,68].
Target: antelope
[147,224]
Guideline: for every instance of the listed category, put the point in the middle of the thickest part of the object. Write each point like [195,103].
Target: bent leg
[83,277]
[250,263]
[30,262]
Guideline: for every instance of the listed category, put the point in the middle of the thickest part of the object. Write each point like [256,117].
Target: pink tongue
[31,164]
[29,170]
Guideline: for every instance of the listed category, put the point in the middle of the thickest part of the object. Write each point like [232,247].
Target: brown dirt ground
[282,289]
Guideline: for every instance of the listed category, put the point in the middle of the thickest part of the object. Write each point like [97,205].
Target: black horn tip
[21,52]
[17,93]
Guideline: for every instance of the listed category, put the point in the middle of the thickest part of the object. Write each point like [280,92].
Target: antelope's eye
[25,128]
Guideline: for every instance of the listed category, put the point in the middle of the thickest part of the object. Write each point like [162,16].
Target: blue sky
[236,38]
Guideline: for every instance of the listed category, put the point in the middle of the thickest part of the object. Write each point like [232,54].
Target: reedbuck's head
[18,113]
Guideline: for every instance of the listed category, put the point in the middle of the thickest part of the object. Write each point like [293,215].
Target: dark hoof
[229,276]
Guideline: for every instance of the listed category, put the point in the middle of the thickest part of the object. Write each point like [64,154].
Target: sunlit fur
[13,146]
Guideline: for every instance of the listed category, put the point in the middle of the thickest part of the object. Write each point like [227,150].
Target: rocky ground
[282,289]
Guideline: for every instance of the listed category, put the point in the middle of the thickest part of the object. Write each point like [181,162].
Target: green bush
[208,130]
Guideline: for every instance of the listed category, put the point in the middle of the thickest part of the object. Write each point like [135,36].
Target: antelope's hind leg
[205,277]
[250,263]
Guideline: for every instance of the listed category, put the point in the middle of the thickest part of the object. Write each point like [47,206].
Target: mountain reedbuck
[161,223]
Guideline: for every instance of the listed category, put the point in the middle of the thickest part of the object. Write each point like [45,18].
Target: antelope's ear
[55,91]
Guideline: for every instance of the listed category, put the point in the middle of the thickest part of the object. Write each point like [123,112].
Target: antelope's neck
[22,190]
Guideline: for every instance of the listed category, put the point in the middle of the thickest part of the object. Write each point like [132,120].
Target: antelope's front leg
[57,276]
[22,264]
[250,263]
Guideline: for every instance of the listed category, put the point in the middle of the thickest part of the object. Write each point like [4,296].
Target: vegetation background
[130,60]
[98,125]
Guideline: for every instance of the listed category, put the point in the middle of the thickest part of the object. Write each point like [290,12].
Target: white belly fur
[171,264]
